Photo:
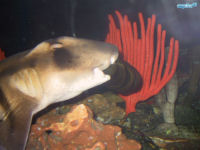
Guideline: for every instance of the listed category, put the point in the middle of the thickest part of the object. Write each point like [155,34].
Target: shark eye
[56,45]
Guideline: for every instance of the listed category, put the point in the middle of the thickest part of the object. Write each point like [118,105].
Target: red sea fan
[2,55]
[139,53]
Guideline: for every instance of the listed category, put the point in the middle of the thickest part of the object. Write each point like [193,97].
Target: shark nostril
[112,60]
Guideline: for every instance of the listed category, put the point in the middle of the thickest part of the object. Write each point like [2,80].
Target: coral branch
[139,53]
[2,55]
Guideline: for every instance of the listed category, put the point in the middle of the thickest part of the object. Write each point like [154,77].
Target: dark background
[25,23]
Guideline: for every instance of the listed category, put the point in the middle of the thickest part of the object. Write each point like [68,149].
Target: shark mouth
[98,71]
[100,74]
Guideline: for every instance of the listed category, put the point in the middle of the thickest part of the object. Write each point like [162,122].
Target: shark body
[55,70]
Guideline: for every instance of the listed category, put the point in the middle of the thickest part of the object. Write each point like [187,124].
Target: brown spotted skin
[53,71]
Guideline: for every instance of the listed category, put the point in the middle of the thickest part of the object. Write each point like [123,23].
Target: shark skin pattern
[55,70]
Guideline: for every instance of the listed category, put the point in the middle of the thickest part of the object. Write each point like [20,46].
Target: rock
[167,129]
[194,55]
[104,108]
[78,130]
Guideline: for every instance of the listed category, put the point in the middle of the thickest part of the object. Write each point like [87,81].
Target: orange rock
[98,145]
[79,131]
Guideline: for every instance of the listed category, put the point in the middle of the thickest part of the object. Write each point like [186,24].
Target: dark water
[25,23]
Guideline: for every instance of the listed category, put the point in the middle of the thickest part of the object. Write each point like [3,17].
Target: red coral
[139,53]
[2,55]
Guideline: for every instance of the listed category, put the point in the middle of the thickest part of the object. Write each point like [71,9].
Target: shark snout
[110,56]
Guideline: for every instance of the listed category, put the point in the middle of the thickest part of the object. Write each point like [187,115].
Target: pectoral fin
[14,127]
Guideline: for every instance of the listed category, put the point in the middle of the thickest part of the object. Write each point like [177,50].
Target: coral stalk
[140,53]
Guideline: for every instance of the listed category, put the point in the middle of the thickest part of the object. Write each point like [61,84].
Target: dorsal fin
[44,47]
[40,48]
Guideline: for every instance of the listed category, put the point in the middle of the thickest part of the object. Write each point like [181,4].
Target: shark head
[68,66]
[55,70]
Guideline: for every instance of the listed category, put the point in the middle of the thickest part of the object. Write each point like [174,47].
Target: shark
[55,70]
